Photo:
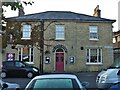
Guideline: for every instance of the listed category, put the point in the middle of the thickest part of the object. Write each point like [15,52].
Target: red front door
[59,61]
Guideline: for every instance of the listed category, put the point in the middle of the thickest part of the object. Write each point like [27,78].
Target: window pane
[25,56]
[19,54]
[93,55]
[87,55]
[93,59]
[93,28]
[26,28]
[31,58]
[31,51]
[93,35]
[99,56]
[26,34]
[93,52]
[31,54]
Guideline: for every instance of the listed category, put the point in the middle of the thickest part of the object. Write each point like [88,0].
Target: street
[89,77]
[83,77]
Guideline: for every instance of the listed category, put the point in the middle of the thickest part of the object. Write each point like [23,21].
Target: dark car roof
[59,15]
[6,62]
[12,61]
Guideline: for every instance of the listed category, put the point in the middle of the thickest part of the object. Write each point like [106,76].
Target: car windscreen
[116,64]
[60,83]
[53,83]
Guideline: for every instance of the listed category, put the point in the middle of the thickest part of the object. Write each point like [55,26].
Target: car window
[8,64]
[19,64]
[53,83]
[118,73]
[0,85]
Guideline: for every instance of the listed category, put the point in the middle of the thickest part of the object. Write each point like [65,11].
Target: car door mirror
[4,85]
[85,84]
[118,73]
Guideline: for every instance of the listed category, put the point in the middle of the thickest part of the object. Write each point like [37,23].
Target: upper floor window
[60,33]
[93,32]
[26,31]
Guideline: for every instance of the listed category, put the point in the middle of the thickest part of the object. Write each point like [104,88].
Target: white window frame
[88,56]
[29,54]
[60,32]
[26,31]
[93,32]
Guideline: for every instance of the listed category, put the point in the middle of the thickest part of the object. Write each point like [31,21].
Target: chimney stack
[21,11]
[97,12]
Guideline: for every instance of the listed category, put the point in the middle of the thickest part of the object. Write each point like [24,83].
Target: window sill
[94,63]
[93,39]
[30,63]
[60,39]
[25,38]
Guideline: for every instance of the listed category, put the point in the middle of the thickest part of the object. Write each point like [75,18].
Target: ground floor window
[26,54]
[94,55]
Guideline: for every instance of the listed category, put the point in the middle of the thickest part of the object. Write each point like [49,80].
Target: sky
[109,8]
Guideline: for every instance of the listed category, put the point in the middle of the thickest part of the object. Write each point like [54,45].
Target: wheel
[29,74]
[3,74]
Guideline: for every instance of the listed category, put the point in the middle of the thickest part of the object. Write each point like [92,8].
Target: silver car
[9,86]
[110,76]
[55,81]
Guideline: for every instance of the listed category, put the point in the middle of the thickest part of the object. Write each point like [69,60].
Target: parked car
[9,86]
[18,68]
[106,78]
[55,81]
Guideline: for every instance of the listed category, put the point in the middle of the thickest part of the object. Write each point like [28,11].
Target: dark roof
[59,15]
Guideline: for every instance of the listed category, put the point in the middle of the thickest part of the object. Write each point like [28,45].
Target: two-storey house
[71,42]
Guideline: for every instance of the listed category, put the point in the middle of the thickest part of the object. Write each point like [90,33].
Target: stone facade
[77,37]
[76,42]
[66,39]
